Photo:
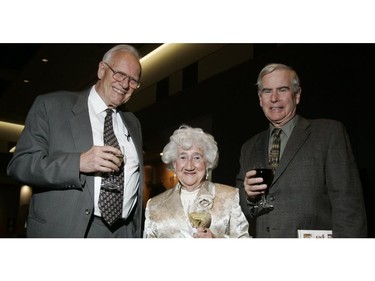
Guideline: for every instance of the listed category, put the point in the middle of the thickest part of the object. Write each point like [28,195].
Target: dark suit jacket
[316,185]
[47,157]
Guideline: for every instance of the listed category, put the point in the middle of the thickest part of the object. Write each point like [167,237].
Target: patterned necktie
[110,201]
[275,149]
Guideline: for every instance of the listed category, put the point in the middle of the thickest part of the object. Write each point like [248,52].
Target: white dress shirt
[97,114]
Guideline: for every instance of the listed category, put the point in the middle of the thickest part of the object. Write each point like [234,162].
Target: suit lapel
[298,137]
[81,130]
[207,188]
[176,203]
[80,124]
[259,158]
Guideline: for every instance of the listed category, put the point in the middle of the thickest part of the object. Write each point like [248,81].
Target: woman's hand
[203,233]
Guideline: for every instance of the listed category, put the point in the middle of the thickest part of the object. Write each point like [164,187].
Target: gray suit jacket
[316,185]
[47,157]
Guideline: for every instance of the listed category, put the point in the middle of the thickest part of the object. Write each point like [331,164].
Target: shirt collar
[98,104]
[288,127]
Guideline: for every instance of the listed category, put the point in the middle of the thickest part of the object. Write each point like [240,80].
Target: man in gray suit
[316,184]
[61,154]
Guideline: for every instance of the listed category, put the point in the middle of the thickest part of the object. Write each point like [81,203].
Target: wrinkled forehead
[194,149]
[126,62]
[278,77]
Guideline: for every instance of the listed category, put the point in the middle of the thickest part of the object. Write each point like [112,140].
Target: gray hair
[277,66]
[186,137]
[121,48]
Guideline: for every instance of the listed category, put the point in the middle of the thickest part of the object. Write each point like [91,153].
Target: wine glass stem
[263,199]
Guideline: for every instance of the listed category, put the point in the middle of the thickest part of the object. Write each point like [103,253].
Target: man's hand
[100,159]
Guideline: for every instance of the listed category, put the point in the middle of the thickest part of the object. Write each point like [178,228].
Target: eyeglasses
[121,76]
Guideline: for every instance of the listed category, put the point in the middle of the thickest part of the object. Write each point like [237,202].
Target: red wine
[266,174]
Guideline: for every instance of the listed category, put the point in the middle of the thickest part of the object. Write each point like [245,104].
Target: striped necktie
[275,149]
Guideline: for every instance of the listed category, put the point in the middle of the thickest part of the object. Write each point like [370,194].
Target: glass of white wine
[112,184]
[200,219]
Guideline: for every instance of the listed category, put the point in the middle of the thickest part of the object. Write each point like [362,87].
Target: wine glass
[200,219]
[267,175]
[111,183]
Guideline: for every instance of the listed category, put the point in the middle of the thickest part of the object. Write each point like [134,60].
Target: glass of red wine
[267,175]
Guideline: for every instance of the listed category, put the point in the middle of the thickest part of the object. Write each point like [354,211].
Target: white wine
[200,219]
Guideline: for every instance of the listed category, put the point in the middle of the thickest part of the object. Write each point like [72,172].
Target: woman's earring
[207,175]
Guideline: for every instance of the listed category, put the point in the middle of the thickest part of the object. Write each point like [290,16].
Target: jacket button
[87,212]
[272,198]
[268,229]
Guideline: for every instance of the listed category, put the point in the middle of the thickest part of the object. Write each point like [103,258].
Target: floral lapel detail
[205,197]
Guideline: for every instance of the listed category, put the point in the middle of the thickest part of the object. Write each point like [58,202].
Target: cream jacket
[165,216]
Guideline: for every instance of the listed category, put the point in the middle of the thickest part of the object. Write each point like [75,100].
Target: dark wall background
[337,82]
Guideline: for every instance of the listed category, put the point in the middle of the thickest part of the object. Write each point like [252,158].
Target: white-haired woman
[195,207]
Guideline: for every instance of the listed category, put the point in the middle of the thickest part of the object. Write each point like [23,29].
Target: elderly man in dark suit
[316,185]
[62,155]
